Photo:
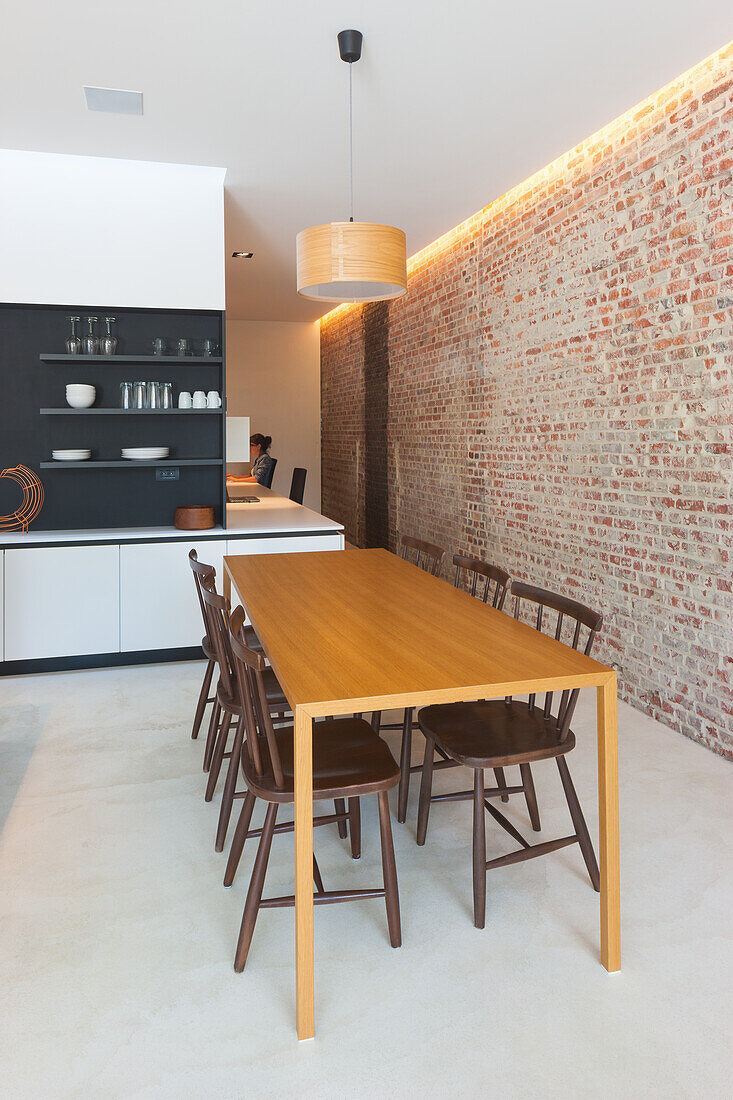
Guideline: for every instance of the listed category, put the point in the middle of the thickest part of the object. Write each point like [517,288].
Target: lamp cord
[351,149]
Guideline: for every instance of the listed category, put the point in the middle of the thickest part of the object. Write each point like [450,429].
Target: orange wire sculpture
[32,499]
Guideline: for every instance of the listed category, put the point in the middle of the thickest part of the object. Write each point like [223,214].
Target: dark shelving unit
[34,419]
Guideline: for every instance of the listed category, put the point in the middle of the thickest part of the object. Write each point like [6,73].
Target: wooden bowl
[194,517]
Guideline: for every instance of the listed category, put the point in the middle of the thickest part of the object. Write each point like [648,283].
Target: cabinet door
[158,604]
[61,601]
[285,544]
[2,598]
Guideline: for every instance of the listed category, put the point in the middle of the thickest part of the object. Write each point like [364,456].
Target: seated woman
[262,463]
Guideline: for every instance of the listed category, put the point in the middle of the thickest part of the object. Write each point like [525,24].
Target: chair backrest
[273,464]
[217,611]
[200,570]
[297,485]
[475,569]
[580,616]
[426,555]
[249,668]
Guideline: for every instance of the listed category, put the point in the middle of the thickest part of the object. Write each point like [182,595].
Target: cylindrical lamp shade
[351,262]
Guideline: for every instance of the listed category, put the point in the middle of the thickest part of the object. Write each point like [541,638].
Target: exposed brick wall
[560,396]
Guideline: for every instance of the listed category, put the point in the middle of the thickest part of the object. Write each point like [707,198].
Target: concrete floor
[118,937]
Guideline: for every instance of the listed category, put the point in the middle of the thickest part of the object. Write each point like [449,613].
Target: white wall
[274,378]
[103,232]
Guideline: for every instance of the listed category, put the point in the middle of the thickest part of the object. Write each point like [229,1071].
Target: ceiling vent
[114,100]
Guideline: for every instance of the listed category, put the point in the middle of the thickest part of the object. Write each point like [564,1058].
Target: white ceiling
[454,102]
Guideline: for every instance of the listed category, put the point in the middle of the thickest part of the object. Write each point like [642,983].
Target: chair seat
[275,695]
[493,734]
[349,760]
[208,649]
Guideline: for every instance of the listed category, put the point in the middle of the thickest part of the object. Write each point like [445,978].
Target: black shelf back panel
[106,497]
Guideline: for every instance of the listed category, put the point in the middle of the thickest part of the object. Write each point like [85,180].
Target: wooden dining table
[363,630]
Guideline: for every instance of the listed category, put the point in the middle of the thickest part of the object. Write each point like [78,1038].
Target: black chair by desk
[297,485]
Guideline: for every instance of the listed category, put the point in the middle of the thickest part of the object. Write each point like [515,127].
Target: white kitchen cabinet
[285,544]
[61,601]
[158,605]
[2,601]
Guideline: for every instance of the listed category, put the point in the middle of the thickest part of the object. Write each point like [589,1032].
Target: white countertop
[271,515]
[274,515]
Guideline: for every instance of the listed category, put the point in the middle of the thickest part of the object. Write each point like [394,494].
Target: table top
[363,629]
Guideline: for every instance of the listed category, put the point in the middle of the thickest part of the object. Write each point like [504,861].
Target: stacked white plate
[147,453]
[71,456]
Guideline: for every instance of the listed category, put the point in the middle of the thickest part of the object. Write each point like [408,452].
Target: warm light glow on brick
[621,130]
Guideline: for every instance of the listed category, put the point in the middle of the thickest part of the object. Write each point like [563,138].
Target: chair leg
[320,889]
[254,894]
[218,757]
[230,787]
[203,698]
[501,782]
[581,829]
[426,788]
[340,807]
[211,735]
[479,850]
[389,870]
[355,827]
[531,796]
[405,760]
[240,835]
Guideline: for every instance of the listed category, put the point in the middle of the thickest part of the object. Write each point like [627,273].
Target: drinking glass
[210,347]
[90,341]
[140,395]
[126,395]
[73,342]
[159,346]
[166,395]
[154,395]
[183,348]
[108,343]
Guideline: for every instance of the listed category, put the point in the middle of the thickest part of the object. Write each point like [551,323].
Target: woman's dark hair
[262,441]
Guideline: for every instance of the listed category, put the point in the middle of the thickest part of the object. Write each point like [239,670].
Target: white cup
[184,400]
[199,399]
[213,400]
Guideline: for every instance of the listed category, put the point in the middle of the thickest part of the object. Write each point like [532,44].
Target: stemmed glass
[73,342]
[108,343]
[91,342]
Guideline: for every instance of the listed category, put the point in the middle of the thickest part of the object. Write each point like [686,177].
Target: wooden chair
[199,571]
[349,761]
[227,707]
[425,555]
[297,485]
[499,733]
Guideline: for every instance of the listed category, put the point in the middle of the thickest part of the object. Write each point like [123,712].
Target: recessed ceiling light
[114,100]
[242,255]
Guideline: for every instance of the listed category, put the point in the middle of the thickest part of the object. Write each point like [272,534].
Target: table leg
[608,820]
[304,873]
[226,585]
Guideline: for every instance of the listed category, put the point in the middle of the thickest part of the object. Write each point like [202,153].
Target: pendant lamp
[351,261]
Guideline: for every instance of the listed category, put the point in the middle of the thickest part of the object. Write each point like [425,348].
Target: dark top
[261,468]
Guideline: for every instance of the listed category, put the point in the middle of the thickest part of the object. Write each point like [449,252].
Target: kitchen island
[91,598]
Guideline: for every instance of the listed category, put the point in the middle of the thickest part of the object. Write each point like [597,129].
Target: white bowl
[80,396]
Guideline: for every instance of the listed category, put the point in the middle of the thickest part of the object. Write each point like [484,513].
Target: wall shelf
[129,463]
[170,360]
[130,412]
